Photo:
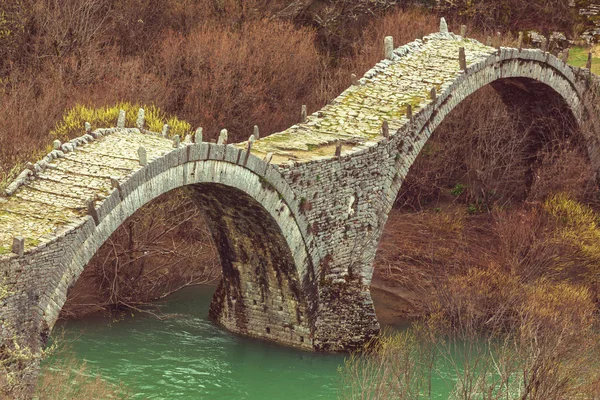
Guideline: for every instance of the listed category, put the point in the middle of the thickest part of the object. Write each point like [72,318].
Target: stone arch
[507,68]
[266,290]
[514,74]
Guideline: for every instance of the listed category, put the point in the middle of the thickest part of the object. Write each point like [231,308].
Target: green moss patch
[578,57]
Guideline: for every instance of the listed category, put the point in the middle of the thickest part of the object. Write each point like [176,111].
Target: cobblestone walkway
[355,118]
[44,206]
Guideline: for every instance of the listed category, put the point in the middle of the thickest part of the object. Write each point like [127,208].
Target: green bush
[72,123]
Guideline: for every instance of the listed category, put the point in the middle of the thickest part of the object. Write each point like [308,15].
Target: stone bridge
[296,216]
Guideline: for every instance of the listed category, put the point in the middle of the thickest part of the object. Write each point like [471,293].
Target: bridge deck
[356,116]
[44,207]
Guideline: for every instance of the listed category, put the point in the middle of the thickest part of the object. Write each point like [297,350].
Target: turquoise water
[188,357]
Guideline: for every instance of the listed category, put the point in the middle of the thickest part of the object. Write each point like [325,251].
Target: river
[188,357]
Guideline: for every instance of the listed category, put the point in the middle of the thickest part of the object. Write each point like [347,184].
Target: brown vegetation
[468,182]
[66,377]
[516,15]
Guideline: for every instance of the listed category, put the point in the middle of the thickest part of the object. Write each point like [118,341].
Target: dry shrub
[558,342]
[51,29]
[553,243]
[568,170]
[480,146]
[548,350]
[34,103]
[481,300]
[556,239]
[28,112]
[89,52]
[339,23]
[18,368]
[404,26]
[398,366]
[161,248]
[139,26]
[418,251]
[67,378]
[259,74]
[511,337]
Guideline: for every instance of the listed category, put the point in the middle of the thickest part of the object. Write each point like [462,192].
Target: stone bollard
[249,148]
[354,80]
[338,150]
[141,119]
[165,130]
[303,114]
[121,119]
[588,65]
[176,141]
[222,137]
[520,41]
[443,25]
[31,167]
[114,183]
[143,157]
[385,130]
[462,59]
[198,135]
[498,40]
[433,94]
[88,127]
[18,246]
[91,210]
[388,47]
[188,138]
[544,45]
[463,31]
[565,55]
[488,41]
[56,144]
[409,114]
[256,132]
[268,158]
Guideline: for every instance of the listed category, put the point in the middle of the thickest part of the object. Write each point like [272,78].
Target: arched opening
[476,192]
[197,228]
[163,247]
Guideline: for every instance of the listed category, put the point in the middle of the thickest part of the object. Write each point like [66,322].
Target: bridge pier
[259,294]
[346,319]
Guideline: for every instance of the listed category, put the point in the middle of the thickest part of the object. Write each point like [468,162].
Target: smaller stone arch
[264,283]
